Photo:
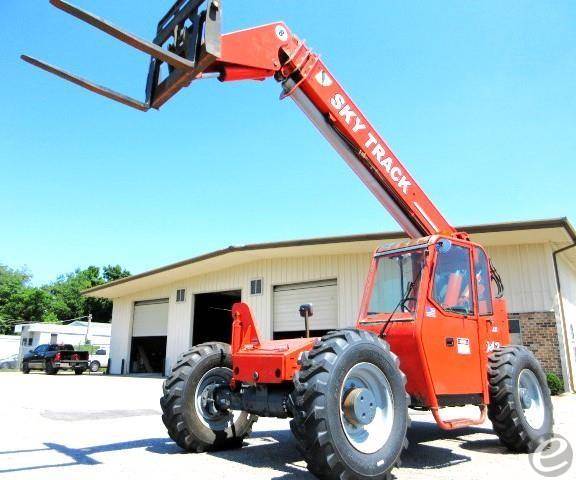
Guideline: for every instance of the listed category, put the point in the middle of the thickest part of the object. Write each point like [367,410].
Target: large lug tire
[189,424]
[520,405]
[350,407]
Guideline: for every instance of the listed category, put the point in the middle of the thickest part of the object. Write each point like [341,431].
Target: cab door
[450,335]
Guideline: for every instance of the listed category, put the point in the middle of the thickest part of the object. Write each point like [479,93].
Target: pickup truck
[52,358]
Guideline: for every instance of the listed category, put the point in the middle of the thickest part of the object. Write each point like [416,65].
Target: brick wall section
[538,331]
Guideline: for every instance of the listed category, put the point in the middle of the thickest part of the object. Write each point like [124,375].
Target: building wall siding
[121,333]
[526,270]
[567,276]
[528,276]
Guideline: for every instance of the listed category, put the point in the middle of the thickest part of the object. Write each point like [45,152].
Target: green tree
[59,300]
[111,273]
[13,285]
[67,292]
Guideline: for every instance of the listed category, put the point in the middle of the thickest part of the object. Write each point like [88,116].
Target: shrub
[555,385]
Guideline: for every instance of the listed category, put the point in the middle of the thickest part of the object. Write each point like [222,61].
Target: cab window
[482,273]
[396,283]
[452,288]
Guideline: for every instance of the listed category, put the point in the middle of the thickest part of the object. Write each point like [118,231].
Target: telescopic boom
[189,42]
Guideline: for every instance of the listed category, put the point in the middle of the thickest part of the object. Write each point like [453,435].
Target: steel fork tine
[100,90]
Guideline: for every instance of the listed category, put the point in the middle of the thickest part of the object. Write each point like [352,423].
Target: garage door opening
[148,354]
[149,333]
[323,295]
[213,317]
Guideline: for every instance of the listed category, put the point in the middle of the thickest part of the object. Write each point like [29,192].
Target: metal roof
[521,226]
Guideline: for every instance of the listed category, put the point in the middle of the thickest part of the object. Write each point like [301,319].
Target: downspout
[562,312]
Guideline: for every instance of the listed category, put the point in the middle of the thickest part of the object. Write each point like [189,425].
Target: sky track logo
[372,143]
[553,457]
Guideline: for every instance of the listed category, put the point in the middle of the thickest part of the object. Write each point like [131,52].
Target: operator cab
[431,299]
[455,275]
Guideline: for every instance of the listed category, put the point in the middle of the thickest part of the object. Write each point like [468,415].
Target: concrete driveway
[101,427]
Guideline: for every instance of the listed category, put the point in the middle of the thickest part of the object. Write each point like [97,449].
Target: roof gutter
[472,229]
[562,311]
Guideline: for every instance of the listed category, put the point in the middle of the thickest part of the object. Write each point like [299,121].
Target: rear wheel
[520,405]
[192,420]
[50,369]
[94,366]
[351,408]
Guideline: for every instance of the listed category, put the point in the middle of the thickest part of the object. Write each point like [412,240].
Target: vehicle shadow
[83,455]
[277,450]
[421,455]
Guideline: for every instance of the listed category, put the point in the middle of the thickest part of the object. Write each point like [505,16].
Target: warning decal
[463,346]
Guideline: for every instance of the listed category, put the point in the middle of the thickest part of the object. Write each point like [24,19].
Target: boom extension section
[189,41]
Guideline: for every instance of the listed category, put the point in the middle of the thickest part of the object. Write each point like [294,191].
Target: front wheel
[520,405]
[350,407]
[25,369]
[192,420]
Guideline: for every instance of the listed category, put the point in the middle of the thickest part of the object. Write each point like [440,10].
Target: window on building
[452,281]
[24,341]
[514,326]
[482,272]
[181,295]
[256,286]
[30,342]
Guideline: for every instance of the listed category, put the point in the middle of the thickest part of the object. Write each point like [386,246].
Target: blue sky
[476,98]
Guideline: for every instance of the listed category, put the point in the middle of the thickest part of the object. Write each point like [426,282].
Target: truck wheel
[351,407]
[192,422]
[50,369]
[94,366]
[79,371]
[520,406]
[25,368]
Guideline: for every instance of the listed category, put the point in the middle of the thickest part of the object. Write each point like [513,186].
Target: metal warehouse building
[160,313]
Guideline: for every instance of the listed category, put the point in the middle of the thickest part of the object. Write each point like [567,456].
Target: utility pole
[88,328]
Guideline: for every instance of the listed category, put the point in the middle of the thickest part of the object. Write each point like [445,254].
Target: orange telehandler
[432,331]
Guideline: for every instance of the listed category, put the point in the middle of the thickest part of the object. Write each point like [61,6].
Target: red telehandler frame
[431,331]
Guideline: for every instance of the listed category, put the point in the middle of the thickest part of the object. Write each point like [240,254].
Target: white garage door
[150,318]
[288,298]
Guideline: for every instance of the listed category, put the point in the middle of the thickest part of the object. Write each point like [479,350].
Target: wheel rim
[531,398]
[207,412]
[366,407]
